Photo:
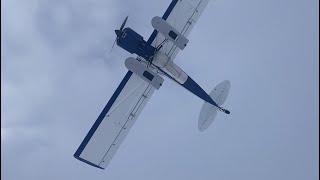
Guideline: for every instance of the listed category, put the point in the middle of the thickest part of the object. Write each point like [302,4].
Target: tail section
[208,111]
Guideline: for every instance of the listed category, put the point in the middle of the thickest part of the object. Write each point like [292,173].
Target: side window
[173,35]
[124,35]
[148,75]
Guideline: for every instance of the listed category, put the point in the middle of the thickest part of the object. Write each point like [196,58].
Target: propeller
[124,23]
[119,32]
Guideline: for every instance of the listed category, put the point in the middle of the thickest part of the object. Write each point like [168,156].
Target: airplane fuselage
[134,43]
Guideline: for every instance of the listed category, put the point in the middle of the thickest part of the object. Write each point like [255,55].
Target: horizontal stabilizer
[208,111]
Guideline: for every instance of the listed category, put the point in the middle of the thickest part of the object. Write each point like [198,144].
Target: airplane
[155,60]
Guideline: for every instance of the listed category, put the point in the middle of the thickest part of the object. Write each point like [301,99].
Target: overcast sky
[57,74]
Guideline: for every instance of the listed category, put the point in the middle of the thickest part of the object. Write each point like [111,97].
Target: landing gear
[224,110]
[157,49]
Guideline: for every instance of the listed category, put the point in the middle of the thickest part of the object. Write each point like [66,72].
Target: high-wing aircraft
[155,60]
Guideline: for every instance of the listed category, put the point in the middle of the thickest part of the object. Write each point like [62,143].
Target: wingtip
[87,162]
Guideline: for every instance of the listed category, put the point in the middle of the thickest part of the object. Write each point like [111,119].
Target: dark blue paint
[193,87]
[129,40]
[83,160]
[164,17]
[169,10]
[133,42]
[152,37]
[101,117]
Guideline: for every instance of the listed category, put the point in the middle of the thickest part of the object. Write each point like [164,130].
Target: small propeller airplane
[145,74]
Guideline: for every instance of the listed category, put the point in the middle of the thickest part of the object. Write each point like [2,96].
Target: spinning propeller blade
[113,45]
[119,31]
[124,23]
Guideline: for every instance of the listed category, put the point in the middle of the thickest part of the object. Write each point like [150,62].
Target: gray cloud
[58,73]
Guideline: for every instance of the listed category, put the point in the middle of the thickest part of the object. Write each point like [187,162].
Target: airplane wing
[115,121]
[129,99]
[182,15]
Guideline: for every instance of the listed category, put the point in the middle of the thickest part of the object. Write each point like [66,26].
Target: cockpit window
[124,35]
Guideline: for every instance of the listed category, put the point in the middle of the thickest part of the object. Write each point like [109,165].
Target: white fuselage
[165,63]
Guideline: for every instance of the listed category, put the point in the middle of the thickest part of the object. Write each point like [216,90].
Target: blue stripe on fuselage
[165,16]
[193,87]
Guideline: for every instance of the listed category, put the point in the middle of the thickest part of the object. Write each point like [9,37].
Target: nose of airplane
[118,32]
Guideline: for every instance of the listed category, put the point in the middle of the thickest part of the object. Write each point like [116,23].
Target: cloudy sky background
[57,74]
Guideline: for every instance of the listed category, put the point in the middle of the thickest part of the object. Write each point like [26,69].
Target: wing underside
[127,102]
[115,121]
[182,15]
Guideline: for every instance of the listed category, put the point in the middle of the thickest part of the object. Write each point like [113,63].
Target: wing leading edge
[115,121]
